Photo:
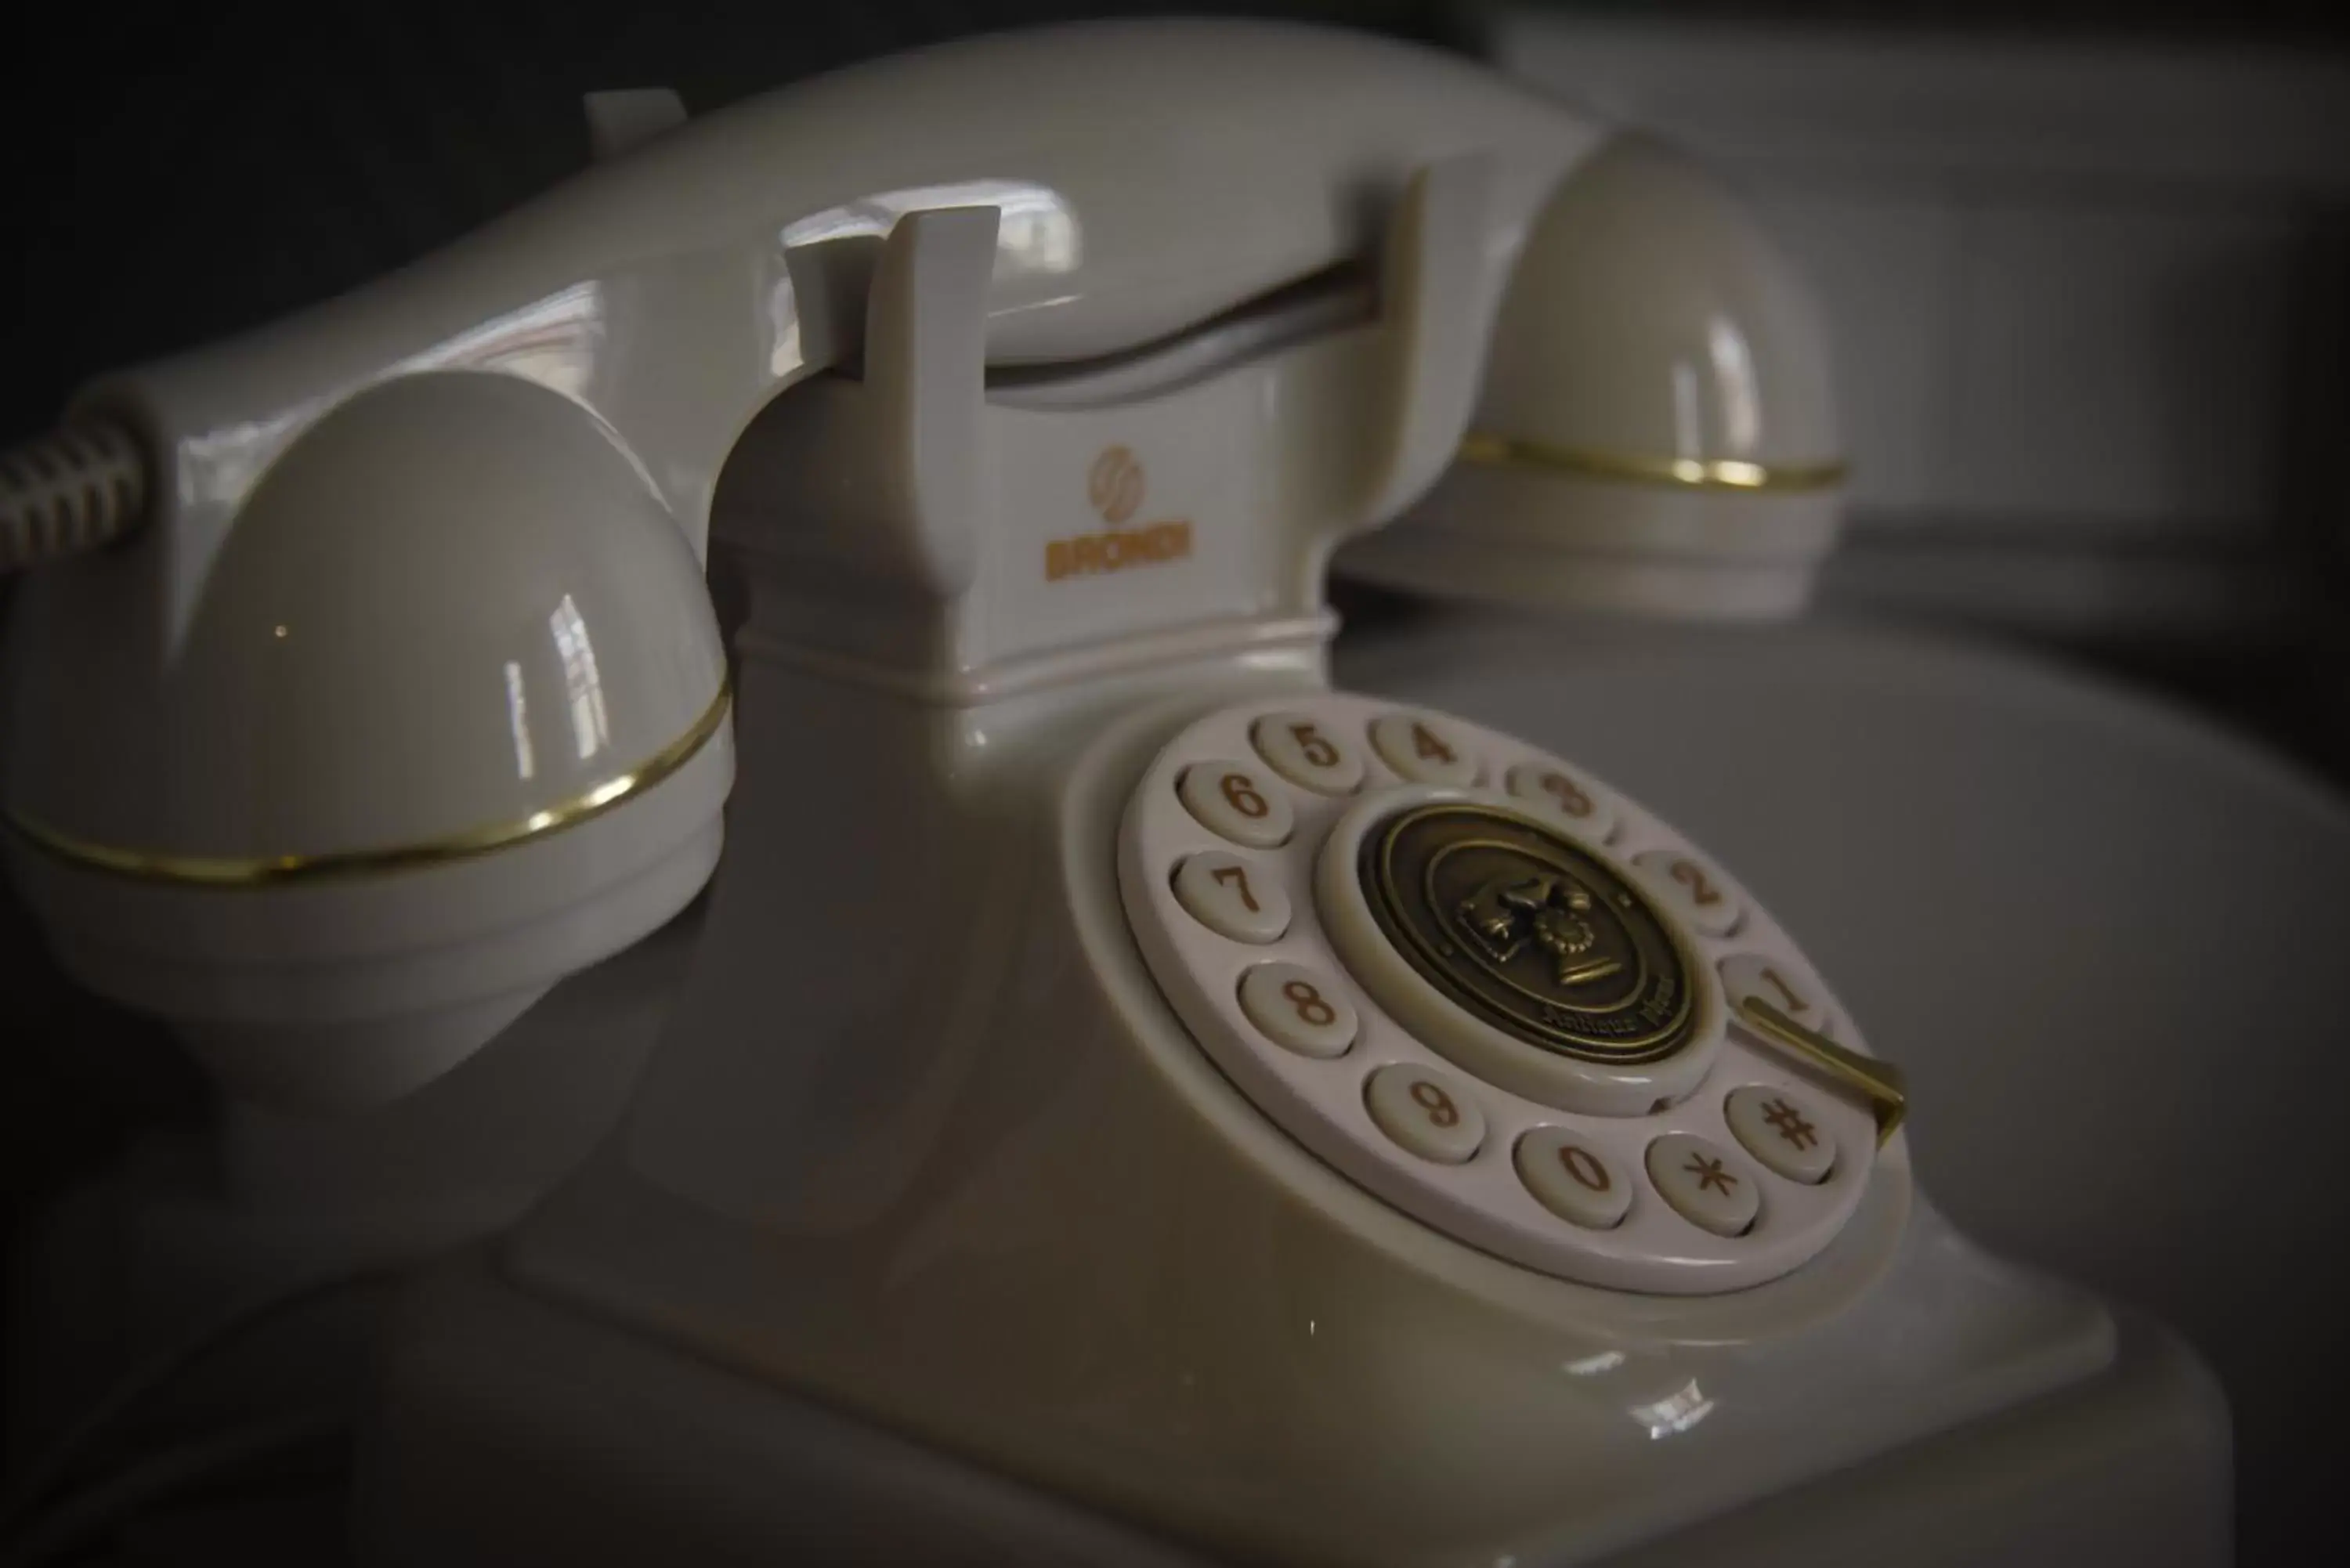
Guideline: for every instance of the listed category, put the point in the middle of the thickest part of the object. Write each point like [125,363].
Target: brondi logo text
[1115,486]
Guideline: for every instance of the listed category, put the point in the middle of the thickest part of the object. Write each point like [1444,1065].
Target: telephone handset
[1108,1054]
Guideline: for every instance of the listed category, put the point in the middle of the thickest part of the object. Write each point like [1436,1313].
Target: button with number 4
[1297,1008]
[1583,809]
[1231,897]
[1303,750]
[1426,1111]
[1424,749]
[1236,801]
[1573,1179]
[1690,888]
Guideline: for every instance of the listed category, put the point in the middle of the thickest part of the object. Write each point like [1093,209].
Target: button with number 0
[1426,1111]
[1573,1179]
[1307,752]
[1706,1184]
[1299,1008]
[1690,888]
[1236,801]
[1231,897]
[1582,808]
[1424,749]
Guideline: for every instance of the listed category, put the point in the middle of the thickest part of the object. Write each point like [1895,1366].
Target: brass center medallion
[1530,933]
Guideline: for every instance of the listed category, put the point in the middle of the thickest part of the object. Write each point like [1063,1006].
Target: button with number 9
[1428,1112]
[1299,1009]
[1236,801]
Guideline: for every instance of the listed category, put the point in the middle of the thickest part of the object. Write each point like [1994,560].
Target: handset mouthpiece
[80,486]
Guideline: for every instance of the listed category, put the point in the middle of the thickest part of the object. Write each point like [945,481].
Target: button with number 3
[1581,807]
[1297,1008]
[1694,891]
[1231,897]
[1424,749]
[1426,1111]
[1236,801]
[1573,1179]
[1306,751]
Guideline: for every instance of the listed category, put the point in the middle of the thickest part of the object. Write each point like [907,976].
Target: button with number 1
[1236,801]
[1428,1112]
[1424,749]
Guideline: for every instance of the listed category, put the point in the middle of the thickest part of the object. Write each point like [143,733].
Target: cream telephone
[1120,1098]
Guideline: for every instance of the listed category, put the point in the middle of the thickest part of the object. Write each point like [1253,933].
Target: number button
[1783,1130]
[1299,1009]
[1231,897]
[1706,1184]
[1303,751]
[1425,1111]
[1585,809]
[1690,888]
[1237,802]
[1423,750]
[1573,1179]
[1789,987]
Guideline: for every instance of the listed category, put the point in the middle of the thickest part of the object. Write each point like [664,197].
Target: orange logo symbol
[1114,483]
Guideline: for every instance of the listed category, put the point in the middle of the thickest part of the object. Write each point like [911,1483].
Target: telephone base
[511,1430]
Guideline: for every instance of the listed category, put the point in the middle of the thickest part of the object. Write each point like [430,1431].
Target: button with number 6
[1236,801]
[1428,1112]
[1304,751]
[1690,888]
[1573,1179]
[1424,749]
[1299,1008]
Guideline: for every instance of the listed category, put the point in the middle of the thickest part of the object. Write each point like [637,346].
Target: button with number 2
[1426,1111]
[1236,801]
[1694,891]
[1299,1009]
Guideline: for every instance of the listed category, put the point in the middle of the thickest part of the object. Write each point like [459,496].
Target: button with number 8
[1581,807]
[1303,751]
[1426,1111]
[1573,1179]
[1694,891]
[1237,802]
[1424,749]
[1299,1009]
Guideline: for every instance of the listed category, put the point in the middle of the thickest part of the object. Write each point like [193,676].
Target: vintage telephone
[1119,1097]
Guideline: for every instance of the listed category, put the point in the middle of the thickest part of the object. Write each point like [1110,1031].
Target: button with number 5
[1306,751]
[1424,749]
[1428,1112]
[1690,888]
[1299,1008]
[1236,801]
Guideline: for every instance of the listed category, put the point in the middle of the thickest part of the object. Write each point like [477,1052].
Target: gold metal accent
[1531,933]
[157,865]
[1880,1082]
[1695,472]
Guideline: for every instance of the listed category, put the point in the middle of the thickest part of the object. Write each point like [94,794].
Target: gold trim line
[1693,473]
[157,865]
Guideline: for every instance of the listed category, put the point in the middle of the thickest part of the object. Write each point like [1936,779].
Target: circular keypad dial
[1532,1044]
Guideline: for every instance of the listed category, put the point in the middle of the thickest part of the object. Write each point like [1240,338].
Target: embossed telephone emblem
[1531,933]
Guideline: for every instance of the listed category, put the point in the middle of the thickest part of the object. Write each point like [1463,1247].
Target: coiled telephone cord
[73,490]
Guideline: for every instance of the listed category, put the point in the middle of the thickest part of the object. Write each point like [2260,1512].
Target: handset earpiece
[1657,430]
[446,721]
